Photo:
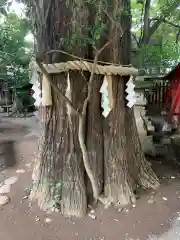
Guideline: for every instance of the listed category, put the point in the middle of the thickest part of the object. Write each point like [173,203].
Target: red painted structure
[173,95]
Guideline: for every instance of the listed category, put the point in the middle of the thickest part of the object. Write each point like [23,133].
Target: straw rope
[87,66]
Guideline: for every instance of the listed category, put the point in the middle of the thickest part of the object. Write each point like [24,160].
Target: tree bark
[140,168]
[146,22]
[124,168]
[59,175]
[74,201]
[53,151]
[95,137]
[118,184]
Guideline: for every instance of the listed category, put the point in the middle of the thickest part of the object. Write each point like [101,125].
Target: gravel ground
[155,216]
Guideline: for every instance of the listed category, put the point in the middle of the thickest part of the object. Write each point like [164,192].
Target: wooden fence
[156,97]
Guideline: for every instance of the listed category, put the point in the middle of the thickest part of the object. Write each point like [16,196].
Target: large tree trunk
[59,175]
[53,151]
[125,165]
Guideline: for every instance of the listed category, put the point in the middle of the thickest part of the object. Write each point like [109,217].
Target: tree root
[147,178]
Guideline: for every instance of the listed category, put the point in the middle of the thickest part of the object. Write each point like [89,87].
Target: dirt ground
[20,219]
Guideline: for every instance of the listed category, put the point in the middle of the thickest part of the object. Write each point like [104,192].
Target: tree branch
[37,11]
[115,23]
[171,23]
[82,119]
[165,11]
[135,38]
[47,11]
[178,36]
[166,21]
[146,20]
[153,28]
[83,59]
[96,193]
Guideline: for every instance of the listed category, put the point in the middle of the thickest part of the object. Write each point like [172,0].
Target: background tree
[3,6]
[155,33]
[15,51]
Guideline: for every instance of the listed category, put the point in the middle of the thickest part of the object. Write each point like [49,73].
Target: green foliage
[14,54]
[163,49]
[3,4]
[85,35]
[160,56]
[164,53]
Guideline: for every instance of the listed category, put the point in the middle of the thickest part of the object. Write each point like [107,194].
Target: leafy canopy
[160,22]
[15,52]
[157,43]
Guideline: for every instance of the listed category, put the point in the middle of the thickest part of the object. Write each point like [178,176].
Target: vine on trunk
[82,119]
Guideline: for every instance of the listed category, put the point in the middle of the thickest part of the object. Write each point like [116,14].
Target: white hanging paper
[107,96]
[37,95]
[36,88]
[131,95]
[68,94]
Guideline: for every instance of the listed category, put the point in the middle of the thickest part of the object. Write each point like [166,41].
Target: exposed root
[74,205]
[141,169]
[119,194]
[105,201]
[147,178]
[44,191]
[43,195]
